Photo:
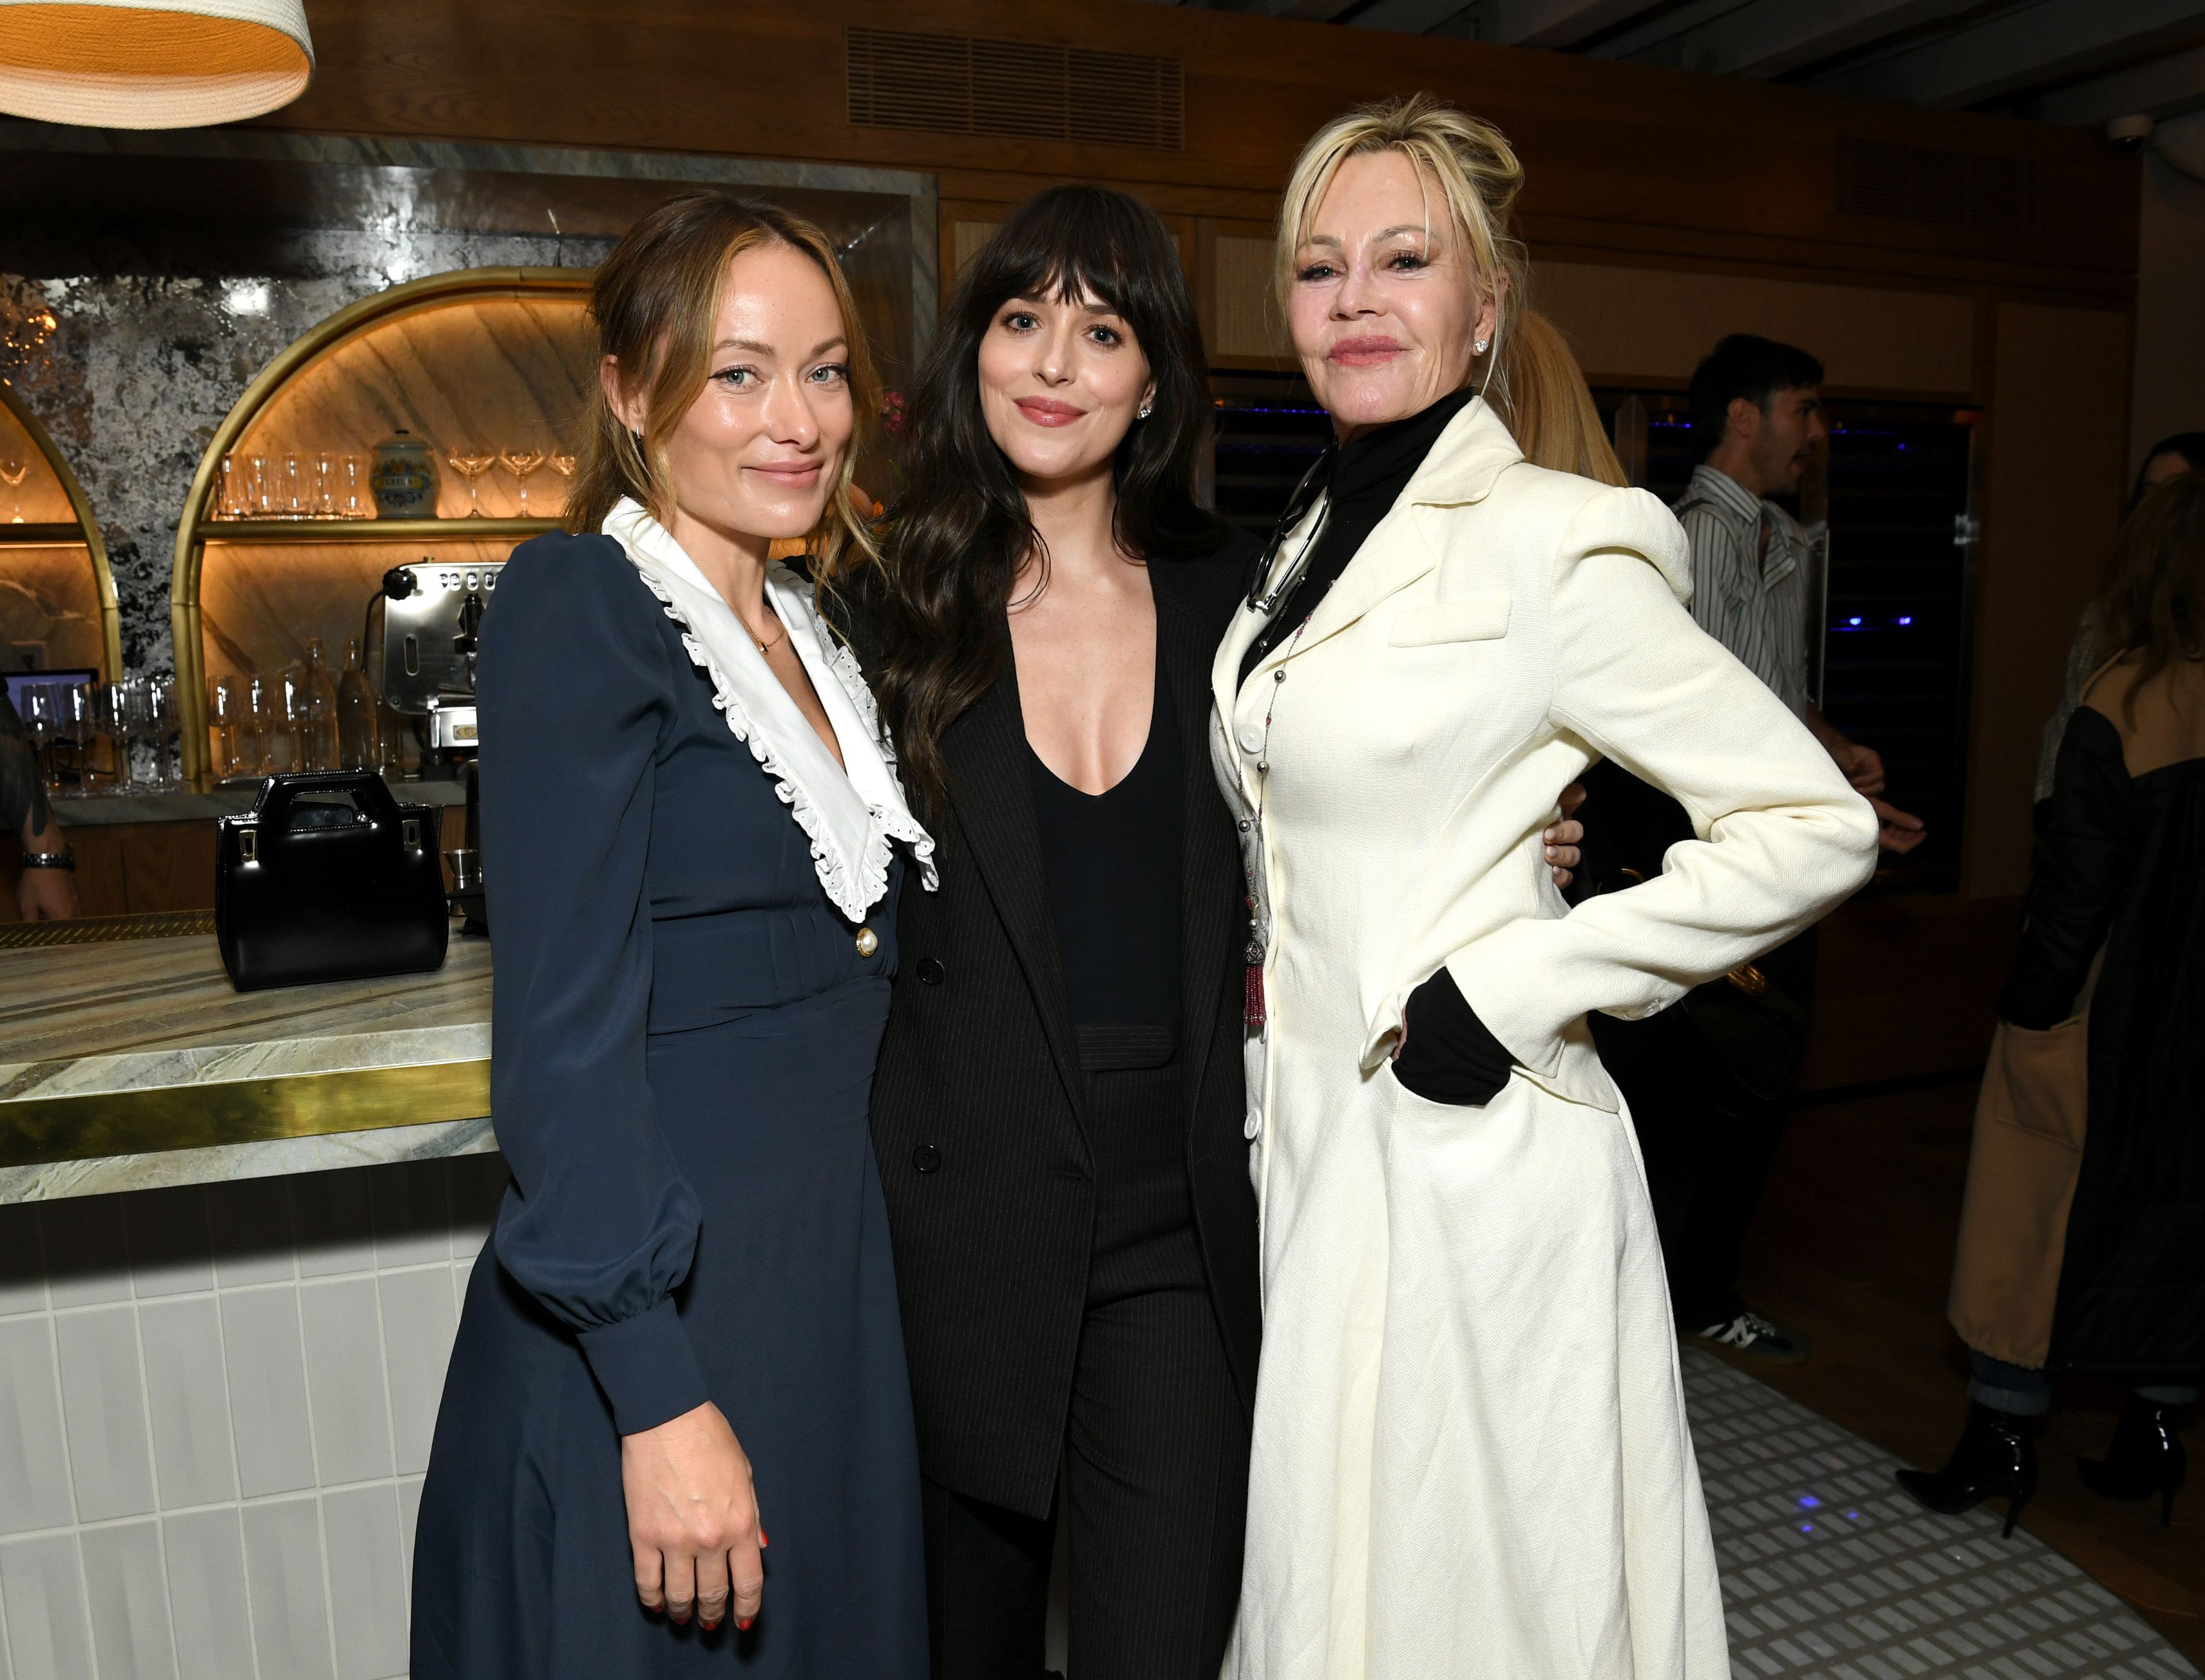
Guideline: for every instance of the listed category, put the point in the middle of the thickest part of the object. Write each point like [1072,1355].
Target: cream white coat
[1471,1453]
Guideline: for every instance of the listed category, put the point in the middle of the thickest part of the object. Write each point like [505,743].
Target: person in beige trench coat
[1470,1456]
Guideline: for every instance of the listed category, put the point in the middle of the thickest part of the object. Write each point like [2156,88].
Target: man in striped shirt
[1756,406]
[1708,1082]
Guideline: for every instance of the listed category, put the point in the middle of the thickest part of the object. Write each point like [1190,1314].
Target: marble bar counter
[129,1063]
[105,810]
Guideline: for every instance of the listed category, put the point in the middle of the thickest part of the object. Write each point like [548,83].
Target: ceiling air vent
[1946,189]
[963,85]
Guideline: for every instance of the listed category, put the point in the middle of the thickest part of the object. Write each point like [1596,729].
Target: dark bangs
[1074,242]
[960,531]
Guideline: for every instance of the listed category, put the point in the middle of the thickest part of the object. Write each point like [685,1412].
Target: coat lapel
[1464,460]
[991,797]
[1208,910]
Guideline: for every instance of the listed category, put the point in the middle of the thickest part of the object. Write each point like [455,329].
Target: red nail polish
[762,1542]
[745,1624]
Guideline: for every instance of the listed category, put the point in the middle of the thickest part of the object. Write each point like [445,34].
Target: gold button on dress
[868,941]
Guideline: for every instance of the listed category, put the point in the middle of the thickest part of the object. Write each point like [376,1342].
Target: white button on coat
[1252,739]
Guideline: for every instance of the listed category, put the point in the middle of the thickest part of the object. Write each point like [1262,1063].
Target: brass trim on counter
[297,533]
[38,1130]
[106,930]
[198,525]
[86,531]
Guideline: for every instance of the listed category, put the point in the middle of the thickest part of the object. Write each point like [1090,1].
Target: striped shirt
[1756,607]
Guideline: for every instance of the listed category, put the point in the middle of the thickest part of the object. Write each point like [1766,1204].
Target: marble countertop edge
[223,1064]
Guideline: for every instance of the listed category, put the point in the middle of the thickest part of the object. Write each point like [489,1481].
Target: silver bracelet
[63,859]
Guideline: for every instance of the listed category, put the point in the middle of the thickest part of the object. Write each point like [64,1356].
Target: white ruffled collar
[852,812]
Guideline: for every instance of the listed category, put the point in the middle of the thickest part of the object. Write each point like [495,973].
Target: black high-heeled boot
[1993,1458]
[2145,1459]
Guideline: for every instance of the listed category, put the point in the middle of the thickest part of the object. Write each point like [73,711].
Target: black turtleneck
[1367,478]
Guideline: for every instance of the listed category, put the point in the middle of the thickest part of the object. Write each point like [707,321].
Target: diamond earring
[1145,410]
[1479,347]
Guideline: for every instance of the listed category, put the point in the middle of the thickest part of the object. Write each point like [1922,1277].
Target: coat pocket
[1477,618]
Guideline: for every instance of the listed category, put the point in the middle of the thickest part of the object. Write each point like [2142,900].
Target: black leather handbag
[328,877]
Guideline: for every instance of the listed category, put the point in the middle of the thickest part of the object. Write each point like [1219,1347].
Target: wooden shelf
[306,532]
[55,536]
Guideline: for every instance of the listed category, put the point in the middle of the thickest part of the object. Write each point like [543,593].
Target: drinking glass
[165,729]
[259,489]
[111,714]
[290,738]
[470,465]
[256,724]
[73,722]
[39,723]
[520,463]
[231,494]
[13,471]
[563,465]
[354,499]
[293,487]
[137,731]
[225,709]
[325,485]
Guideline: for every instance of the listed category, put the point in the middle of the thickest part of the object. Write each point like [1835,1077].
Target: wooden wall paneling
[1612,147]
[1250,331]
[2055,483]
[483,372]
[1632,326]
[102,878]
[50,598]
[1905,986]
[168,865]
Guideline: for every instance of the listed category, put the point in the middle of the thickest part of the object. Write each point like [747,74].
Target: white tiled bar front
[216,1405]
[220,1365]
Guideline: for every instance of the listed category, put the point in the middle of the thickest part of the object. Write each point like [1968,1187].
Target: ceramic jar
[404,480]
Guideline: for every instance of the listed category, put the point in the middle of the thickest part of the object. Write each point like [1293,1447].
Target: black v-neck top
[1367,478]
[1113,863]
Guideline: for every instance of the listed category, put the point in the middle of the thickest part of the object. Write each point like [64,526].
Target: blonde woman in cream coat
[1471,1455]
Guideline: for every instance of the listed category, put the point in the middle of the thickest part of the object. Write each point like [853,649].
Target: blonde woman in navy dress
[685,1335]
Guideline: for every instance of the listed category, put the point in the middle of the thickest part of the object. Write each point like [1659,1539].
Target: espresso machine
[431,616]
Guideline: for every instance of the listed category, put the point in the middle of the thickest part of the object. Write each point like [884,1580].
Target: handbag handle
[369,791]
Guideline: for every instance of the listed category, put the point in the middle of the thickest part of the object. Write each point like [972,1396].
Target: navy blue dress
[685,1036]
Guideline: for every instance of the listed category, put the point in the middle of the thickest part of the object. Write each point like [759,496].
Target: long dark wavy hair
[960,532]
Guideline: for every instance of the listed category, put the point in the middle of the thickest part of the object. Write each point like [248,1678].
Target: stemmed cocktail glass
[470,465]
[520,463]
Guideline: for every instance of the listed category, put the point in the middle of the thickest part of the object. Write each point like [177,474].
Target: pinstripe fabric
[1757,610]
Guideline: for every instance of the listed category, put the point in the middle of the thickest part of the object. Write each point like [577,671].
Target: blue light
[1806,1528]
[1854,622]
[1852,1517]
[1809,1502]
[1904,622]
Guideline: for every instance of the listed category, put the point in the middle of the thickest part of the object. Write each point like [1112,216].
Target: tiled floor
[1829,1570]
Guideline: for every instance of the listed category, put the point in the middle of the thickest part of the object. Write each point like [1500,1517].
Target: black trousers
[1156,1448]
[1155,1491]
[1707,1139]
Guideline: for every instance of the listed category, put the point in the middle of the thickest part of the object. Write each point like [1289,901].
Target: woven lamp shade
[151,63]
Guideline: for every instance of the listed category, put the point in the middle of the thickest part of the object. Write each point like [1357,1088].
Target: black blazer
[977,1104]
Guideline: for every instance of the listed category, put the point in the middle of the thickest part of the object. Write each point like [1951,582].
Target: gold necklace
[768,647]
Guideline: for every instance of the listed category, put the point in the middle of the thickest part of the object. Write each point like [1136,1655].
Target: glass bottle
[358,736]
[318,742]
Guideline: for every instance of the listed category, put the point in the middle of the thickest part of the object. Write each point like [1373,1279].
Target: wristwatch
[63,859]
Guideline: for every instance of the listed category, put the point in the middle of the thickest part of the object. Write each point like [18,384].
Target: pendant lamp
[151,63]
